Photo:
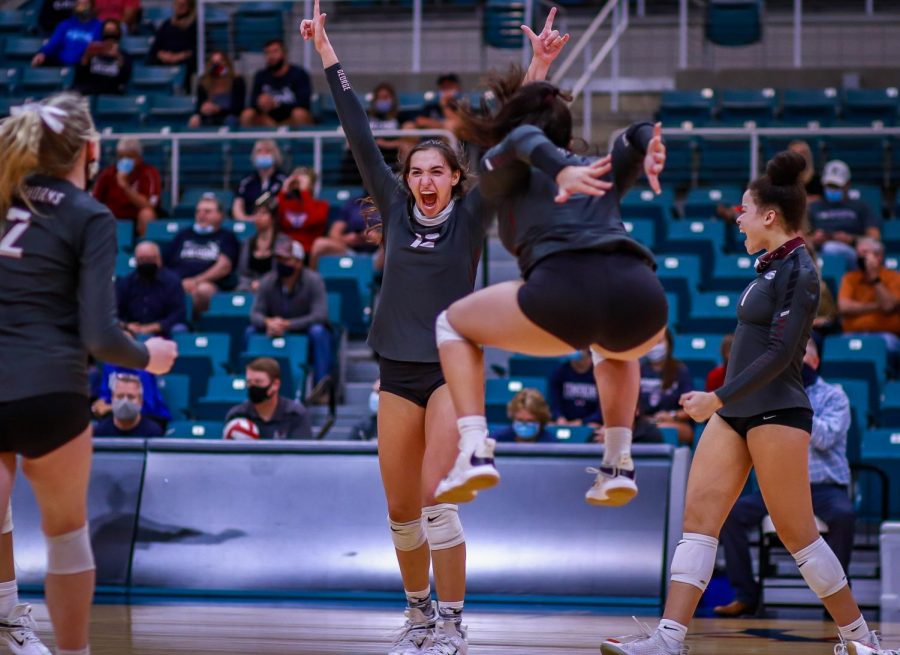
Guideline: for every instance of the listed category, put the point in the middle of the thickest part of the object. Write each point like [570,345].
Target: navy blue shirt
[191,254]
[654,398]
[573,395]
[507,435]
[160,300]
[146,428]
[293,89]
[251,188]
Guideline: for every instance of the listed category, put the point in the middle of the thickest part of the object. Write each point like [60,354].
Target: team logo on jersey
[770,275]
[426,241]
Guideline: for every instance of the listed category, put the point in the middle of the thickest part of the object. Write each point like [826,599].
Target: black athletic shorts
[584,297]
[38,425]
[415,381]
[794,417]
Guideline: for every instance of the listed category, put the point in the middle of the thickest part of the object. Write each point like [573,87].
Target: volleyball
[241,429]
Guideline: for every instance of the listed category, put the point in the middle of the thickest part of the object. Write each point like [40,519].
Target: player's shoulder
[53,196]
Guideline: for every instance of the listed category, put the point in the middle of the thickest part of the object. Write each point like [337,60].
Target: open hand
[549,43]
[655,160]
[584,179]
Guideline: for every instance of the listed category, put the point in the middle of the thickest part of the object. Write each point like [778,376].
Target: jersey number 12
[19,221]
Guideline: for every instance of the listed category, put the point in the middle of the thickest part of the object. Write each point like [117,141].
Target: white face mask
[373,402]
[658,352]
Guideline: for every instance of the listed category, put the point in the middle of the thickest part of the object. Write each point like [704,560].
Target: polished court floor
[201,629]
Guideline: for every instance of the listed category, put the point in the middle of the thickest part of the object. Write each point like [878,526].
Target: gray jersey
[426,269]
[520,173]
[57,298]
[775,315]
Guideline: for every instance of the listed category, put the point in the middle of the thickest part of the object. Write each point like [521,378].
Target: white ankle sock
[672,633]
[420,600]
[617,448]
[472,431]
[84,651]
[856,631]
[9,597]
[451,611]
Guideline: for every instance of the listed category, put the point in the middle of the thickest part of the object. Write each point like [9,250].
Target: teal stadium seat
[680,152]
[45,80]
[670,435]
[534,367]
[864,155]
[699,352]
[191,196]
[204,164]
[176,392]
[222,393]
[859,357]
[643,230]
[200,356]
[125,264]
[739,106]
[256,26]
[21,49]
[889,412]
[693,106]
[228,312]
[704,238]
[195,430]
[352,277]
[801,106]
[157,79]
[734,23]
[732,272]
[831,270]
[724,161]
[714,311]
[498,393]
[9,81]
[890,233]
[674,317]
[125,235]
[162,231]
[336,197]
[119,113]
[641,202]
[679,274]
[870,194]
[572,433]
[243,230]
[217,27]
[866,106]
[882,444]
[500,24]
[858,394]
[13,21]
[169,111]
[292,354]
[137,45]
[703,202]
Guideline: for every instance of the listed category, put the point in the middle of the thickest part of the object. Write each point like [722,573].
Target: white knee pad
[821,568]
[407,536]
[70,553]
[7,522]
[444,332]
[443,526]
[597,357]
[694,560]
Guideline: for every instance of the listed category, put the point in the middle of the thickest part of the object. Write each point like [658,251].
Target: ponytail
[20,143]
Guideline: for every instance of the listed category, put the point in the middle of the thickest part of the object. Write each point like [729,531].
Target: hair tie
[51,116]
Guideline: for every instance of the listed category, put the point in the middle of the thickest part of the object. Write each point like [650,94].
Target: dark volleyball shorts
[414,381]
[793,417]
[584,297]
[36,426]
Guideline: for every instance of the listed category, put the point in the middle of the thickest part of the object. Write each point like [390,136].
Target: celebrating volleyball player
[762,418]
[586,282]
[57,304]
[433,231]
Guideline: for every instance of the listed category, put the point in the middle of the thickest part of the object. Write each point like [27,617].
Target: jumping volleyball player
[760,418]
[586,282]
[57,304]
[434,224]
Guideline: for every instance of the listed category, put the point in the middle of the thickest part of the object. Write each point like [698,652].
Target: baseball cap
[836,173]
[287,247]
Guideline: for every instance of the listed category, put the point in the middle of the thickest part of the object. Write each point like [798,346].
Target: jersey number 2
[19,222]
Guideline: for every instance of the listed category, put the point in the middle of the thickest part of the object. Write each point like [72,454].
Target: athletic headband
[51,116]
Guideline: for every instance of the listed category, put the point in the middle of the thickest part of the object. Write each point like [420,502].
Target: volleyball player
[586,282]
[762,418]
[433,231]
[57,304]
[17,626]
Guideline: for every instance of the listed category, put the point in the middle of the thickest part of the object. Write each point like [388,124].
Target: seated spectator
[573,392]
[150,300]
[301,216]
[153,405]
[204,255]
[663,380]
[292,299]
[643,430]
[827,320]
[54,12]
[716,377]
[127,419]
[530,414]
[105,67]
[127,12]
[275,416]
[266,177]
[811,179]
[869,299]
[130,187]
[221,93]
[175,42]
[347,234]
[836,221]
[829,476]
[257,253]
[439,114]
[70,38]
[281,92]
[367,428]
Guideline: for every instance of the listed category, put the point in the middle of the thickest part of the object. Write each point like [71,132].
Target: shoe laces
[409,633]
[445,643]
[646,632]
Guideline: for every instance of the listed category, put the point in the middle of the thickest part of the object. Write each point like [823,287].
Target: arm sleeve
[831,420]
[629,149]
[54,43]
[376,174]
[318,311]
[797,298]
[99,327]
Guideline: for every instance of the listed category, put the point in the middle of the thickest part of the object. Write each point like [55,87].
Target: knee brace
[70,553]
[444,332]
[694,560]
[443,526]
[821,568]
[7,522]
[407,536]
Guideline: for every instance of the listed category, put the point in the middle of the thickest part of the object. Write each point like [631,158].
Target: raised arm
[546,47]
[640,147]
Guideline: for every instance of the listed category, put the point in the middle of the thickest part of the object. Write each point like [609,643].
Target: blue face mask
[526,429]
[834,195]
[263,162]
[204,229]
[383,106]
[125,165]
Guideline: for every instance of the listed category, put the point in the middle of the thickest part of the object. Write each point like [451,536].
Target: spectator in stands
[829,476]
[347,234]
[301,215]
[439,114]
[126,12]
[175,42]
[281,92]
[150,300]
[70,38]
[127,419]
[276,416]
[716,377]
[530,414]
[292,299]
[811,180]
[105,68]
[367,428]
[54,12]
[153,405]
[827,320]
[663,381]
[266,177]
[204,255]
[643,430]
[869,299]
[257,253]
[221,93]
[836,221]
[130,187]
[573,392]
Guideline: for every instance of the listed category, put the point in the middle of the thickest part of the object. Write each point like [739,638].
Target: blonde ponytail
[20,143]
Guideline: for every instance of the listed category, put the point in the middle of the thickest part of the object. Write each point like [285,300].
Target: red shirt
[302,218]
[144,179]
[114,9]
[715,378]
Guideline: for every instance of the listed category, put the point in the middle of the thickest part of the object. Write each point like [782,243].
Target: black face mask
[810,375]
[219,70]
[147,270]
[258,395]
[276,66]
[284,270]
[112,36]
